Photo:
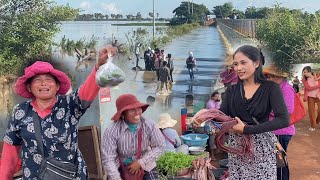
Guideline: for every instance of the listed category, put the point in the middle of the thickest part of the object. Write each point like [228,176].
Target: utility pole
[189,7]
[154,21]
[192,8]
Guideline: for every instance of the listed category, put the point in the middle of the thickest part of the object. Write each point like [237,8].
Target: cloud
[111,8]
[85,5]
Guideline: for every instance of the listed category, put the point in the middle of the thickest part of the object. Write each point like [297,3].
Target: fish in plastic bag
[109,75]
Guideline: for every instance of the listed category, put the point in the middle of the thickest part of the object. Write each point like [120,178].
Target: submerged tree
[28,28]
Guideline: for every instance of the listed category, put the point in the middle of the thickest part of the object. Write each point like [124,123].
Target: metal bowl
[196,150]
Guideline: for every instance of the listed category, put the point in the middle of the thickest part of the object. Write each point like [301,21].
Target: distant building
[211,16]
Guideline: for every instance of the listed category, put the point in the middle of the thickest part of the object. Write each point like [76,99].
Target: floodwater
[204,42]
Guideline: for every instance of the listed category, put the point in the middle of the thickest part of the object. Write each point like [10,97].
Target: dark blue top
[59,134]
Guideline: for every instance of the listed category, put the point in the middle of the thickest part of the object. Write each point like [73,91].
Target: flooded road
[204,42]
[208,49]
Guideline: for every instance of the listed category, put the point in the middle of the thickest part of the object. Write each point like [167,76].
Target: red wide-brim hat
[126,102]
[40,67]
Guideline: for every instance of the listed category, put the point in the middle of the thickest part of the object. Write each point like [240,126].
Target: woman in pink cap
[45,127]
[131,144]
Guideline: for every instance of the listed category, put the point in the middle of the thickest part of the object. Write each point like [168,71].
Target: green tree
[28,29]
[251,12]
[150,14]
[239,14]
[98,16]
[283,32]
[119,16]
[138,16]
[224,11]
[256,13]
[185,11]
[129,16]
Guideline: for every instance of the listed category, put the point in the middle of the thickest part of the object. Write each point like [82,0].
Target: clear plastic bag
[109,75]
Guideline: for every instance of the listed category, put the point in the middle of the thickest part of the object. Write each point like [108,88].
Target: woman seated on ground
[131,144]
[173,141]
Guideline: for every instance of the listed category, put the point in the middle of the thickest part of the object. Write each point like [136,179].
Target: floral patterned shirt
[59,134]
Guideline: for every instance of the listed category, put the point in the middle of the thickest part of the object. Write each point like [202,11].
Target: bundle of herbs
[170,163]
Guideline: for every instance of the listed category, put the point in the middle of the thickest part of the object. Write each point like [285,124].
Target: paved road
[202,84]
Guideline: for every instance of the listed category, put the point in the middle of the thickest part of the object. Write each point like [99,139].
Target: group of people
[157,60]
[131,144]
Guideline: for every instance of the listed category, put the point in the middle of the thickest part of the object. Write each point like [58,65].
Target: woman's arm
[9,161]
[89,89]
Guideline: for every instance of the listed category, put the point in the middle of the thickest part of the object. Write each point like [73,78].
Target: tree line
[128,17]
[227,10]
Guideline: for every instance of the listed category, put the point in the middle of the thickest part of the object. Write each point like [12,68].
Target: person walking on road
[296,84]
[191,63]
[170,66]
[164,73]
[137,53]
[311,90]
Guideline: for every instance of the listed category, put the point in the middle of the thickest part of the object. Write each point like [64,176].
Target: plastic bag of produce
[109,75]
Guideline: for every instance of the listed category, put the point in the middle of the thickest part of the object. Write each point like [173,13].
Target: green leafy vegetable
[171,162]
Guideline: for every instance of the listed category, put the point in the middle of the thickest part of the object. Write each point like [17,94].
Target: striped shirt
[120,143]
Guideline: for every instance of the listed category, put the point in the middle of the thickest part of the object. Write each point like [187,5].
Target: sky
[165,7]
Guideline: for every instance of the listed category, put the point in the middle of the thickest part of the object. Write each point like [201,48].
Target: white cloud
[85,5]
[111,8]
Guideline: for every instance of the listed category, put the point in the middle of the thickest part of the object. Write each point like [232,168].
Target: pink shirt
[288,96]
[312,82]
[212,104]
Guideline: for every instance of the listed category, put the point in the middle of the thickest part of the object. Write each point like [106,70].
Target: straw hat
[273,70]
[228,59]
[127,102]
[166,121]
[40,67]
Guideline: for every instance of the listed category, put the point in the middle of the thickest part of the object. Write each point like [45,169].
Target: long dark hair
[308,68]
[255,55]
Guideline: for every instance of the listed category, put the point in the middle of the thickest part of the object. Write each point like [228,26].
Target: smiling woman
[43,86]
[46,126]
[131,144]
[250,101]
